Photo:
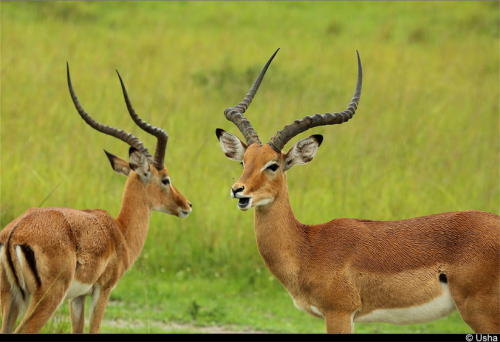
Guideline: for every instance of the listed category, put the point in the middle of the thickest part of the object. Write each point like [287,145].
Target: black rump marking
[30,258]
[443,278]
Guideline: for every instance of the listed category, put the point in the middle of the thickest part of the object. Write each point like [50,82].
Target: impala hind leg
[9,302]
[481,312]
[98,304]
[339,322]
[77,312]
[10,309]
[44,303]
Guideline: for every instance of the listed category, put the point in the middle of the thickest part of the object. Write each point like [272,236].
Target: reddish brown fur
[88,246]
[349,267]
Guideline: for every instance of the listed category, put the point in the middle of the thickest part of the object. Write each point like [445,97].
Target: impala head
[145,173]
[264,165]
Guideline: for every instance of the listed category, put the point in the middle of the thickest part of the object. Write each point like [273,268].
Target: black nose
[237,190]
[190,205]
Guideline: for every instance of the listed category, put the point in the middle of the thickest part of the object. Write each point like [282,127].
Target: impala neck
[133,218]
[281,239]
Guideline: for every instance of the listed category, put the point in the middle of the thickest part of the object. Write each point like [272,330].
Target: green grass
[424,140]
[197,302]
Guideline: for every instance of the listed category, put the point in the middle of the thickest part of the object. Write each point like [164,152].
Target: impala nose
[234,192]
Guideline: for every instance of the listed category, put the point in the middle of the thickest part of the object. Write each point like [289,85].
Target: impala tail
[16,259]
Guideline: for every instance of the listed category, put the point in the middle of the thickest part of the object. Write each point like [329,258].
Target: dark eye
[166,181]
[273,167]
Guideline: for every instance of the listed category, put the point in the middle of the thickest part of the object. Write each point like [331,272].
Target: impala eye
[273,167]
[166,181]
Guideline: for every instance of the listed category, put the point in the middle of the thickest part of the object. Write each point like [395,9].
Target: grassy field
[425,138]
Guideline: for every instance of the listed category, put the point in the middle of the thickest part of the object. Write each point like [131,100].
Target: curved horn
[299,126]
[235,114]
[120,134]
[161,144]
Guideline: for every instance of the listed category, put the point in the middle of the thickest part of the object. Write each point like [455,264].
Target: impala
[53,254]
[352,270]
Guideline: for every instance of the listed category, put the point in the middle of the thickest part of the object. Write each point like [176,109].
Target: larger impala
[351,270]
[52,254]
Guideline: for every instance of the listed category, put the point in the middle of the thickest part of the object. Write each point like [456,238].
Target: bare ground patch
[174,327]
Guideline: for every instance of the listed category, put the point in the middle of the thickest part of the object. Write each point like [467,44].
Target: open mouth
[244,203]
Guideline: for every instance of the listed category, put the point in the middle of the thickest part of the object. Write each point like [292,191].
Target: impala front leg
[339,322]
[98,304]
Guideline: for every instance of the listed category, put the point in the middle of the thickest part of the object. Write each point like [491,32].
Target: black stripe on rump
[11,264]
[30,258]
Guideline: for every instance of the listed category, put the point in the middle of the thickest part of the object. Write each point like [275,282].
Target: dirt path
[171,326]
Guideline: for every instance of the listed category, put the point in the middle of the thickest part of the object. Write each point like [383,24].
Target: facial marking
[265,201]
[268,164]
[184,213]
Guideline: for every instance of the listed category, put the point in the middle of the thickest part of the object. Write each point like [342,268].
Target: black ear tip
[219,132]
[110,157]
[319,138]
[108,154]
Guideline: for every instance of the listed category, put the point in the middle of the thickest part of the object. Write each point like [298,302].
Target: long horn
[114,132]
[235,114]
[299,126]
[161,144]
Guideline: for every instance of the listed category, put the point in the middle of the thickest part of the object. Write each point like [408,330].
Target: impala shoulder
[340,229]
[100,213]
[102,218]
[351,223]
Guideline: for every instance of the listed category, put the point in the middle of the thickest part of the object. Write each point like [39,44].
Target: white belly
[78,289]
[437,308]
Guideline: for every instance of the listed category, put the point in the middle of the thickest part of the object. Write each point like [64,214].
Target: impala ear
[303,151]
[118,164]
[138,162]
[232,147]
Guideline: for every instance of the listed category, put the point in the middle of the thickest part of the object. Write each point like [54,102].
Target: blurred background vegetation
[425,138]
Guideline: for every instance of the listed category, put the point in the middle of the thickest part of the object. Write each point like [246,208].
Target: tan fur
[346,269]
[87,246]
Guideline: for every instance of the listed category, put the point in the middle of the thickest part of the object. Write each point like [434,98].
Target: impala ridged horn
[299,126]
[235,114]
[161,135]
[114,132]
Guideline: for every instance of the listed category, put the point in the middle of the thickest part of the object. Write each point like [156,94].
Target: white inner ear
[232,147]
[123,170]
[139,163]
[301,153]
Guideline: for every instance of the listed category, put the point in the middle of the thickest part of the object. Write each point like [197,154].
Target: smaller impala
[53,254]
[351,270]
